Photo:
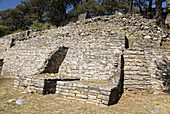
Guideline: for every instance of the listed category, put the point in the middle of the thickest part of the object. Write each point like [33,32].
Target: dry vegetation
[133,103]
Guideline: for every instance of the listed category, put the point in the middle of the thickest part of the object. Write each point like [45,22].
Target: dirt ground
[130,103]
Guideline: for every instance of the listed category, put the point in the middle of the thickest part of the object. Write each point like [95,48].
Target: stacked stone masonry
[147,69]
[95,58]
[70,88]
[128,52]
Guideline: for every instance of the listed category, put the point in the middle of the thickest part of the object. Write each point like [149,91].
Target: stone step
[137,68]
[134,64]
[136,73]
[136,87]
[134,82]
[167,47]
[135,60]
[136,49]
[144,73]
[134,52]
[138,78]
[134,56]
[165,43]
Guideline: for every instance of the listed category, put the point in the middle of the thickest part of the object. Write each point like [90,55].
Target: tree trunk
[158,9]
[150,6]
[131,7]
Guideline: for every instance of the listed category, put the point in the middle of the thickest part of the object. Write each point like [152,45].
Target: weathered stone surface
[82,17]
[167,20]
[152,65]
[106,48]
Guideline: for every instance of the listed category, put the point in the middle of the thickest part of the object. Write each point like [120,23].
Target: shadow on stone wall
[56,60]
[163,73]
[1,64]
[12,43]
[126,42]
[117,92]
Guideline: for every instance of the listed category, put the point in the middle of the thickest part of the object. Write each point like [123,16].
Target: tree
[75,2]
[3,30]
[38,7]
[150,6]
[131,7]
[39,26]
[91,7]
[141,4]
[110,6]
[159,10]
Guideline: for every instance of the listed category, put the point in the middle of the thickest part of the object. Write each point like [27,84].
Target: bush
[12,32]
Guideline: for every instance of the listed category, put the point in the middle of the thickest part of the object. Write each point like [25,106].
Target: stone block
[103,97]
[71,95]
[93,91]
[82,96]
[167,20]
[91,97]
[105,102]
[75,92]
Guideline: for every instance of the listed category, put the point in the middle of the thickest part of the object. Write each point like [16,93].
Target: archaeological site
[92,60]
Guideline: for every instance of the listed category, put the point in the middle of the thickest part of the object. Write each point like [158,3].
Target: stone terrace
[126,52]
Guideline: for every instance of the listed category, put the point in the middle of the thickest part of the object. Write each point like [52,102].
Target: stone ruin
[93,60]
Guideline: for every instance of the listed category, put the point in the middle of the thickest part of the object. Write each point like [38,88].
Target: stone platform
[89,91]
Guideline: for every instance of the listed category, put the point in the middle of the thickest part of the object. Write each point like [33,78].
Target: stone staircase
[136,75]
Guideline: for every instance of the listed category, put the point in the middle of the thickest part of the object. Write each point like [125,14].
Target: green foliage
[110,6]
[36,25]
[45,26]
[91,7]
[40,26]
[2,30]
[17,31]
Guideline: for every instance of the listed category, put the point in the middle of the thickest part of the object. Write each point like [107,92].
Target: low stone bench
[87,92]
[95,92]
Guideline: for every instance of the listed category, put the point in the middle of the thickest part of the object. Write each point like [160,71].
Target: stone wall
[126,51]
[8,41]
[4,45]
[82,91]
[91,57]
[89,93]
[158,63]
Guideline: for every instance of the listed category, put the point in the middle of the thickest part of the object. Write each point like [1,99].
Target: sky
[5,4]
